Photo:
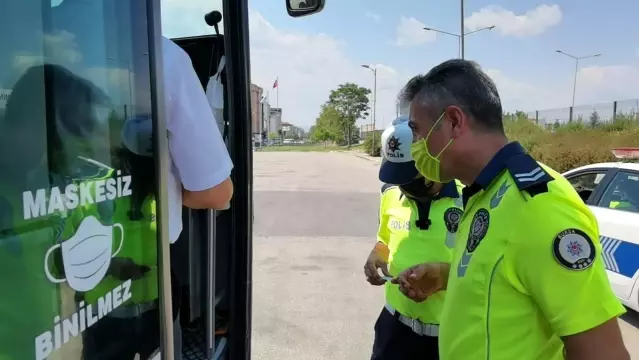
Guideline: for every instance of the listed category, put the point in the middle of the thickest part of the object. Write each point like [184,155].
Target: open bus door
[84,250]
[214,259]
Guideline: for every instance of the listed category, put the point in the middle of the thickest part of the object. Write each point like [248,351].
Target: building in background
[266,116]
[292,132]
[256,109]
[275,120]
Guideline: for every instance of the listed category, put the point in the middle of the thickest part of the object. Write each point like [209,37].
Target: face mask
[427,164]
[417,189]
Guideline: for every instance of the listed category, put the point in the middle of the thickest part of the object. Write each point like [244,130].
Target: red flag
[275,84]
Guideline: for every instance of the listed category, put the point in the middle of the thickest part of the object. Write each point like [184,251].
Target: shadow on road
[631,317]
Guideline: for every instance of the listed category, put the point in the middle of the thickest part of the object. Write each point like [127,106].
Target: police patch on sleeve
[573,249]
[451,219]
[478,229]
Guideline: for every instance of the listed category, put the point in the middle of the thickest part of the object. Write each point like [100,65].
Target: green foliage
[336,121]
[594,119]
[273,136]
[301,148]
[351,103]
[327,125]
[370,148]
[575,126]
[294,136]
[623,122]
[354,135]
[516,116]
[525,131]
[569,145]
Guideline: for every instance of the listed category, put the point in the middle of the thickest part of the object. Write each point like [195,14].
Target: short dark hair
[462,83]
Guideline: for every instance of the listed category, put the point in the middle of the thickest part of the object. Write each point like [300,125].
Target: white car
[611,190]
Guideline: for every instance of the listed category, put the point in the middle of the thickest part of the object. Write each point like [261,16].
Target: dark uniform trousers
[396,341]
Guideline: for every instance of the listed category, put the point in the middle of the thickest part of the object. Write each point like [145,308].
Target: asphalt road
[315,222]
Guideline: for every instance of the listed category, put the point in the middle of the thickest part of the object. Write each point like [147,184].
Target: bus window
[78,241]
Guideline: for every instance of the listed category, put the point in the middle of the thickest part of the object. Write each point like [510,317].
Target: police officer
[527,280]
[418,219]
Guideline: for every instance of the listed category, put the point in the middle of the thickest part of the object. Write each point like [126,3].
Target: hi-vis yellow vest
[527,267]
[409,245]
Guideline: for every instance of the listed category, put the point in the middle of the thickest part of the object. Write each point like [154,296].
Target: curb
[366,157]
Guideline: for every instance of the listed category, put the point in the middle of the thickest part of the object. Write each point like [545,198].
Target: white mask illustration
[86,256]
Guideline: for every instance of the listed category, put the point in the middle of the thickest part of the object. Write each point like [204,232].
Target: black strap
[423,211]
[470,191]
[225,111]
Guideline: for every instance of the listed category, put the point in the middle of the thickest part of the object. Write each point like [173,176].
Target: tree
[373,148]
[327,125]
[594,119]
[521,115]
[351,103]
[355,134]
[273,136]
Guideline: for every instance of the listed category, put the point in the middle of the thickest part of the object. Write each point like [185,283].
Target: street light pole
[374,70]
[576,58]
[574,83]
[459,37]
[461,31]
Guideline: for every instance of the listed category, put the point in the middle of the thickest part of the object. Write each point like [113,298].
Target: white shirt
[199,158]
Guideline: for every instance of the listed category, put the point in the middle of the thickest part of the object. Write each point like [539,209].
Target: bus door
[202,254]
[214,254]
[78,218]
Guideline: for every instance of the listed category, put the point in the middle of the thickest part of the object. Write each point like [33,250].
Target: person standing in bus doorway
[527,280]
[137,321]
[200,176]
[201,165]
[417,223]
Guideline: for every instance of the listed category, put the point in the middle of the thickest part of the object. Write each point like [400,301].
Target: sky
[313,55]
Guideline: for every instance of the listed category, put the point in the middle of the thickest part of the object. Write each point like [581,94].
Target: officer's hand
[373,263]
[423,280]
[125,269]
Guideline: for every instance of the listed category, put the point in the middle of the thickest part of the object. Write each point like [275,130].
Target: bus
[86,265]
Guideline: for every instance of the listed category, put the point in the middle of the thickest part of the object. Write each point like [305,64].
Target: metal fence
[601,113]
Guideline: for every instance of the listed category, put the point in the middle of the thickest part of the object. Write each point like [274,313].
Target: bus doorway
[84,249]
[214,255]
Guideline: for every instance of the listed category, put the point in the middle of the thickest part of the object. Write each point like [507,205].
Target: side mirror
[299,8]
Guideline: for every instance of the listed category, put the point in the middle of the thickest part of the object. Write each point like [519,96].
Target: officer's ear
[459,121]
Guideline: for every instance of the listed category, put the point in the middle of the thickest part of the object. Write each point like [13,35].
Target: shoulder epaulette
[387,187]
[528,174]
